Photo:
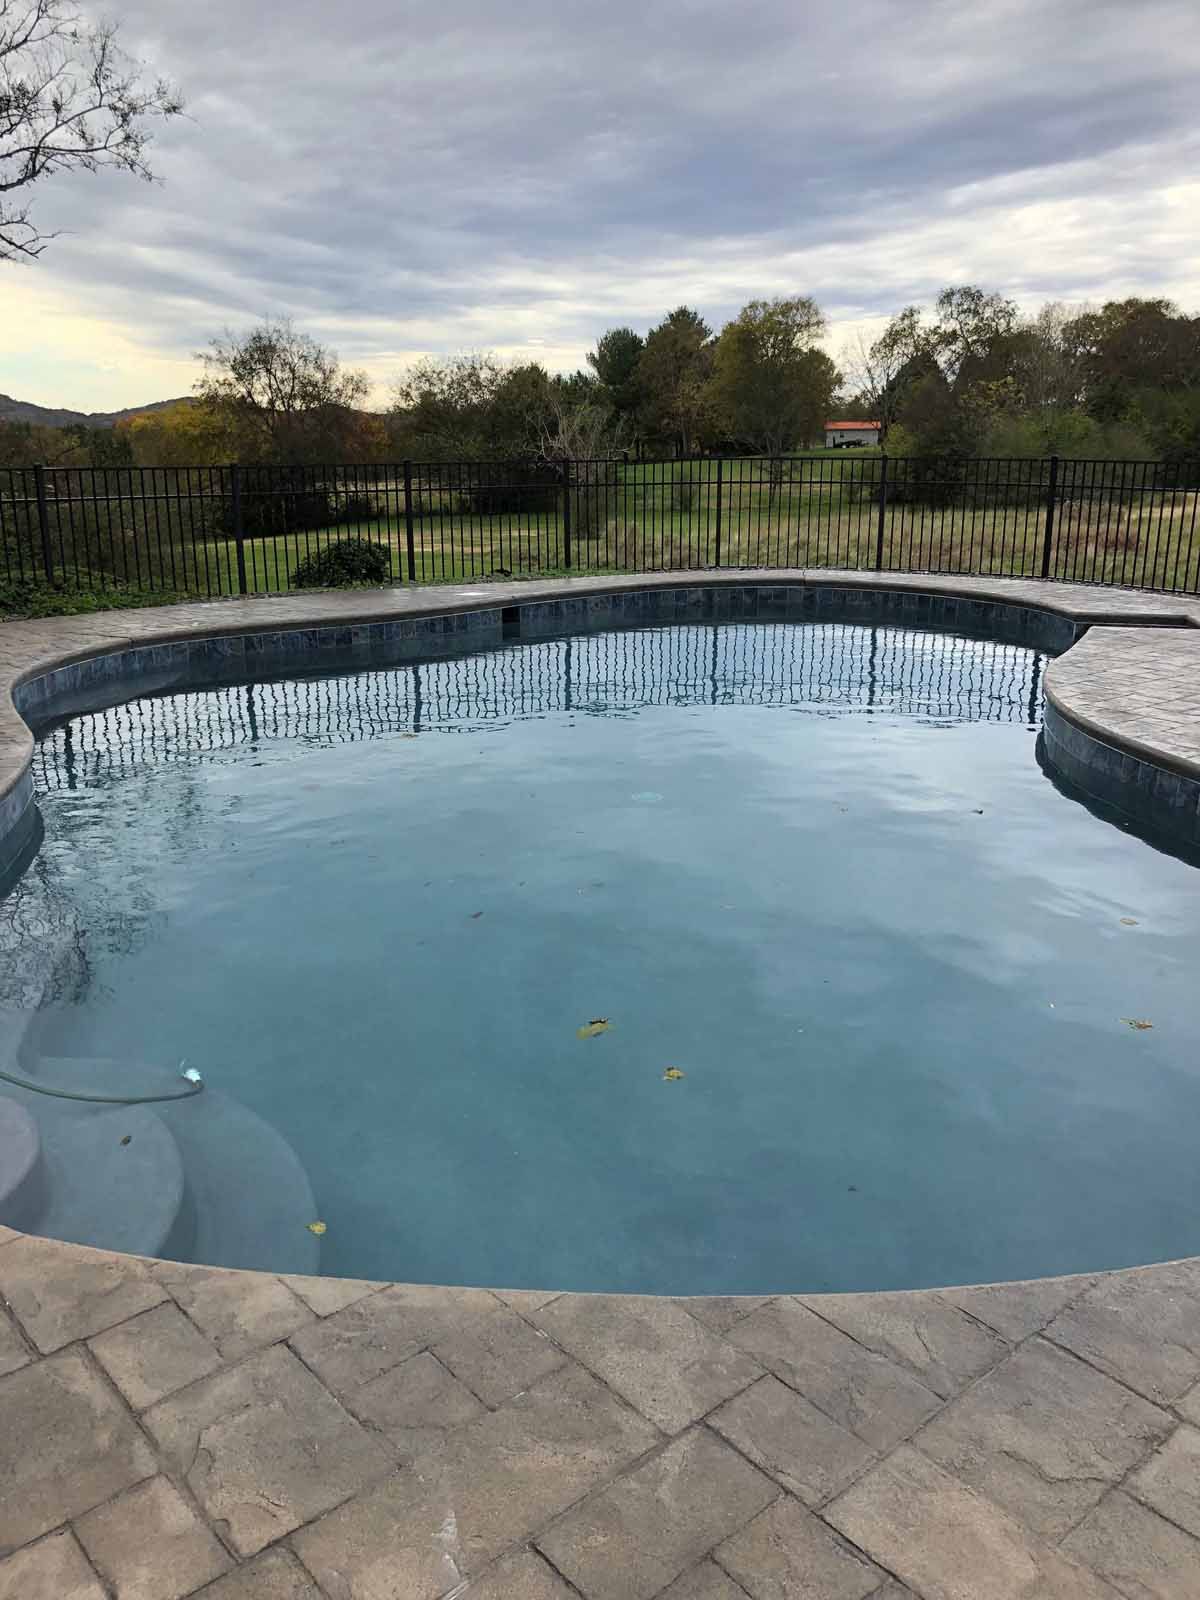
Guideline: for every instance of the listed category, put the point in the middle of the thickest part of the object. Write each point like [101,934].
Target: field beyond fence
[210,531]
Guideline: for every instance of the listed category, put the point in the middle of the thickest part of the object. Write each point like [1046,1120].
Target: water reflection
[834,665]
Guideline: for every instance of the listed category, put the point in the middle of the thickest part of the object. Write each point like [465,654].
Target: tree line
[967,377]
[973,377]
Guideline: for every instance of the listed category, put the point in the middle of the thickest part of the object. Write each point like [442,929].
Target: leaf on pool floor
[1129,922]
[672,1074]
[592,1028]
[1139,1023]
[316,1227]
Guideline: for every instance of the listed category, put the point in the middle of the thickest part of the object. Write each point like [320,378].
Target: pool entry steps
[201,1178]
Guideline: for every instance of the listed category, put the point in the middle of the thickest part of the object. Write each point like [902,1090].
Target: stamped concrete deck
[168,1431]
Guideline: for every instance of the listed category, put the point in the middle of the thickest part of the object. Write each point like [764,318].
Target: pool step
[22,1180]
[244,1199]
[110,1177]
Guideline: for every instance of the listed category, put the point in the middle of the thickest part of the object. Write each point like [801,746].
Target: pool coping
[193,1430]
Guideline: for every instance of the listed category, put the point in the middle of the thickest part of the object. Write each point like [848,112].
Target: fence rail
[247,529]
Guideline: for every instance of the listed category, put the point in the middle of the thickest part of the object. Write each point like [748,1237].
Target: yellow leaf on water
[1139,1023]
[672,1073]
[592,1028]
[316,1227]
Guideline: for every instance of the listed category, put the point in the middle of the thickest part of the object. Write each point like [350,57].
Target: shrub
[346,562]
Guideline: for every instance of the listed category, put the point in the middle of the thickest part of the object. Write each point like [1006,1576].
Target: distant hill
[50,417]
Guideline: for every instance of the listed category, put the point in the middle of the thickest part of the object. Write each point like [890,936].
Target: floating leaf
[592,1028]
[1139,1023]
[316,1227]
[672,1074]
[1129,922]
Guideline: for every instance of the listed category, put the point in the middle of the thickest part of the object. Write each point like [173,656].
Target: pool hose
[194,1085]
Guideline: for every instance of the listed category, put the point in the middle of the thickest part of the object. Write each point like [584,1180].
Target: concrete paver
[1141,1328]
[652,1352]
[149,1544]
[75,1293]
[947,1543]
[237,1315]
[275,1575]
[786,1552]
[1140,1553]
[1015,1310]
[498,1356]
[53,1569]
[153,1354]
[374,1335]
[489,1486]
[941,1345]
[414,1404]
[639,1534]
[66,1444]
[264,1448]
[1044,1436]
[1169,1482]
[867,1394]
[799,1446]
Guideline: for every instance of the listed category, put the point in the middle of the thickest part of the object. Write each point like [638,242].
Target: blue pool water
[817,868]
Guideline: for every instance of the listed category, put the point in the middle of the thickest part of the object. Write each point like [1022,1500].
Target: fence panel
[211,531]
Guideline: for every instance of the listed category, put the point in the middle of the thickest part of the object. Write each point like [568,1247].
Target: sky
[406,179]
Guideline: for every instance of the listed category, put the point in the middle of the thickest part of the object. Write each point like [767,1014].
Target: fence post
[720,475]
[1051,501]
[239,527]
[879,531]
[409,541]
[566,514]
[39,481]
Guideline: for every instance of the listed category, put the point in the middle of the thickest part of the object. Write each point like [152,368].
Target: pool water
[817,869]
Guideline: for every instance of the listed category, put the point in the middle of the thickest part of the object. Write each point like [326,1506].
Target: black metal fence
[242,530]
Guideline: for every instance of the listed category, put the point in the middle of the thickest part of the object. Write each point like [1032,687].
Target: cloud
[404,178]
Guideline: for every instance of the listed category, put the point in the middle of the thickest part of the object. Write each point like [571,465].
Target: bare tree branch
[70,100]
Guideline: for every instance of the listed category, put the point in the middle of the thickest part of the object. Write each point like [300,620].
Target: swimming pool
[814,868]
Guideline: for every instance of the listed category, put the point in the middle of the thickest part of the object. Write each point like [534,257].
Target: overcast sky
[405,178]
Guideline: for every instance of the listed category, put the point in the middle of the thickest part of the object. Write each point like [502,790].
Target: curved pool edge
[875,1433]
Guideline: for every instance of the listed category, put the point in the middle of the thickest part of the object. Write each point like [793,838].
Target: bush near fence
[230,530]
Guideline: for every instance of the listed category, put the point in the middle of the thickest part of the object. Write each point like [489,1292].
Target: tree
[969,322]
[186,434]
[615,363]
[70,100]
[1130,346]
[282,396]
[771,385]
[470,408]
[883,373]
[672,376]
